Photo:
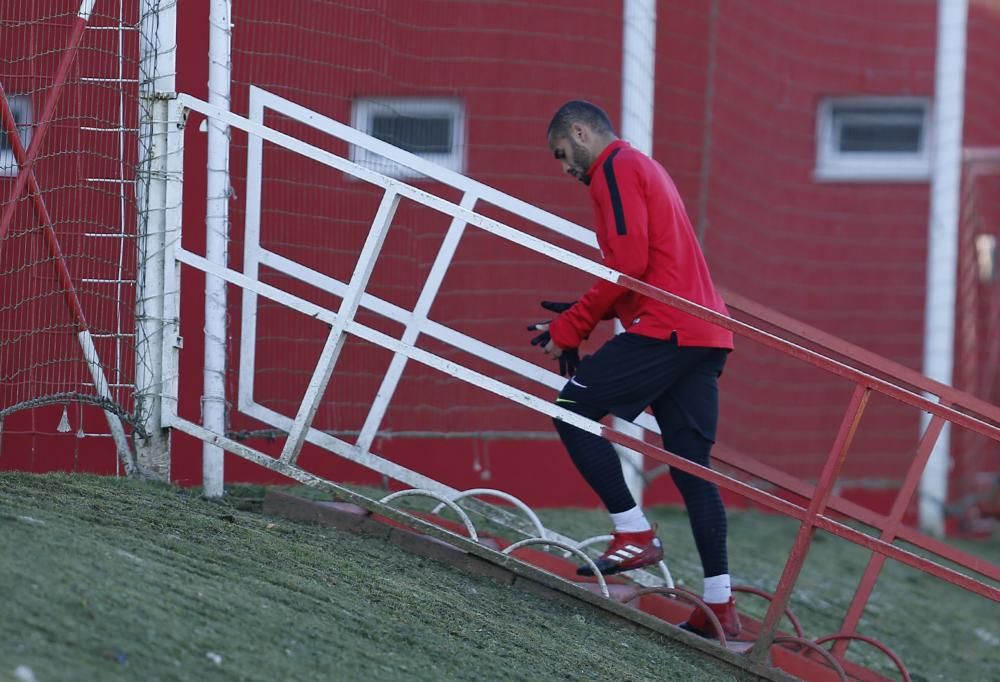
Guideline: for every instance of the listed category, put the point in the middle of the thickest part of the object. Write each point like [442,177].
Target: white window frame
[833,165]
[20,107]
[364,110]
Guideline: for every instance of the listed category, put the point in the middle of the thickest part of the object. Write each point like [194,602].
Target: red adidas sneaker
[627,552]
[699,624]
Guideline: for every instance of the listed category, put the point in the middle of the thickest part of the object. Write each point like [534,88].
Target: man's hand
[569,358]
[545,339]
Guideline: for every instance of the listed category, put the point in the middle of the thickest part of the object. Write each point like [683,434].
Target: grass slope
[107,579]
[942,633]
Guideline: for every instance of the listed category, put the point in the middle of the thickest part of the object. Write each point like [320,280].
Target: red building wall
[509,89]
[738,84]
[846,257]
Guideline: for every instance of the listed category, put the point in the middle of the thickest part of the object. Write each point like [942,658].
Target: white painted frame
[832,165]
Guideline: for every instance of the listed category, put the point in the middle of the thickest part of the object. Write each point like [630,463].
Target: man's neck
[600,150]
[603,144]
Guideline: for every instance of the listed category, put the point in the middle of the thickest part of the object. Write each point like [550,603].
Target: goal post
[158,197]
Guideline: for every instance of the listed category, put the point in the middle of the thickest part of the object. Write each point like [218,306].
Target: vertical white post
[638,85]
[172,340]
[942,246]
[216,245]
[638,73]
[157,67]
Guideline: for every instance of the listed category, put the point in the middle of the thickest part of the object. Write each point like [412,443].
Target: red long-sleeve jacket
[644,232]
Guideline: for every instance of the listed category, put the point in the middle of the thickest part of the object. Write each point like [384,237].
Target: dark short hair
[579,111]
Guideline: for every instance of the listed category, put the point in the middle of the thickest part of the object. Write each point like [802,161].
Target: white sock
[717,589]
[630,521]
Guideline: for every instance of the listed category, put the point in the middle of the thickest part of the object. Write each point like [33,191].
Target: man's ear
[580,132]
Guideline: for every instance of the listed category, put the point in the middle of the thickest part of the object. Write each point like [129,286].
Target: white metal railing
[415,322]
[353,297]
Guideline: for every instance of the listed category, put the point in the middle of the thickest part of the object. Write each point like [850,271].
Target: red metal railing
[887,369]
[894,381]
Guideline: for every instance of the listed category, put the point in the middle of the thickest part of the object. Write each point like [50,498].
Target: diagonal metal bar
[45,119]
[893,371]
[824,487]
[796,512]
[785,481]
[345,315]
[415,325]
[890,530]
[41,209]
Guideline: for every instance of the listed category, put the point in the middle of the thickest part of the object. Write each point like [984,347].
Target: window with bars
[431,128]
[20,107]
[873,139]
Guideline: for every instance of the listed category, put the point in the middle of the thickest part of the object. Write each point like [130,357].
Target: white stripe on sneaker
[633,548]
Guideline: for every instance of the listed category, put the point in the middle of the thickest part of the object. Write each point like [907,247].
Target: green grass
[942,633]
[107,579]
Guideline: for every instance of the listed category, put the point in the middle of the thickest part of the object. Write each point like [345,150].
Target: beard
[580,161]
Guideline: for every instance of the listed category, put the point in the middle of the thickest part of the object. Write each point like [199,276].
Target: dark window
[415,134]
[431,128]
[20,107]
[880,129]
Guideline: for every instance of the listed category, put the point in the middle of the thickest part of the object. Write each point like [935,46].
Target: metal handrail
[866,383]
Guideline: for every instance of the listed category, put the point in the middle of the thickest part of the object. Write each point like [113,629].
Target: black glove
[569,360]
[551,306]
[557,307]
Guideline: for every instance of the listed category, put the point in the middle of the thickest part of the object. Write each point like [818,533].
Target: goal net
[68,154]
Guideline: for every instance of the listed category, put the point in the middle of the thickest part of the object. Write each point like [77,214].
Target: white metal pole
[157,68]
[217,244]
[638,86]
[942,247]
[638,73]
